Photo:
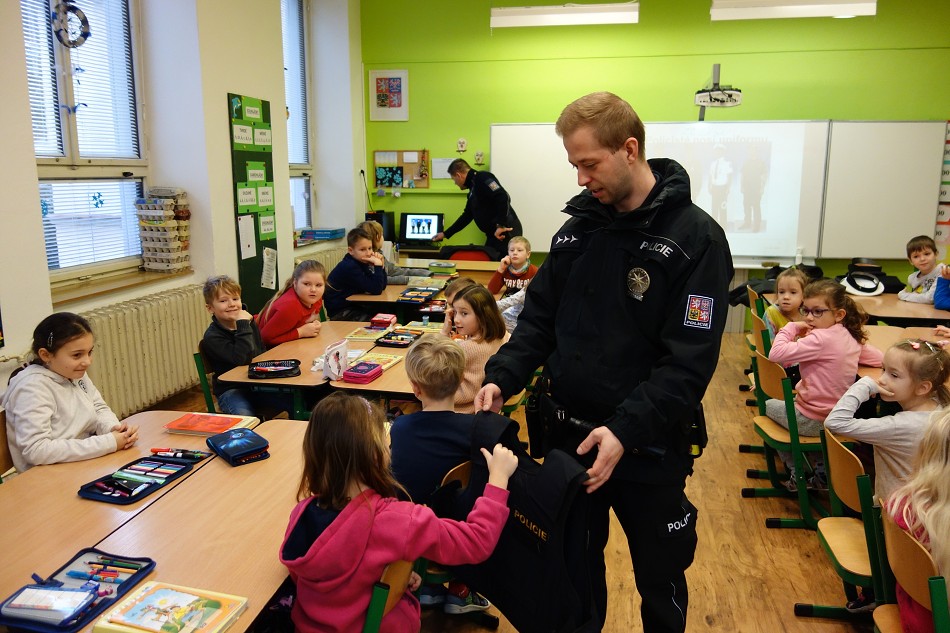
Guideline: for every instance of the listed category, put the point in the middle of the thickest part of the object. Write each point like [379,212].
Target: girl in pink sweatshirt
[350,525]
[828,347]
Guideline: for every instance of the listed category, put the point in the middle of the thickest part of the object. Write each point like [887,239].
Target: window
[86,133]
[294,21]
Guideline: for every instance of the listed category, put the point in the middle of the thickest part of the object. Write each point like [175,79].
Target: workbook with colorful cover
[383,360]
[366,334]
[431,326]
[209,423]
[167,608]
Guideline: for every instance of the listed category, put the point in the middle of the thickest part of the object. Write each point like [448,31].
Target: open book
[167,608]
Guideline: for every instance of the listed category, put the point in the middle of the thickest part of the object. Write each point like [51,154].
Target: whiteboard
[530,162]
[883,186]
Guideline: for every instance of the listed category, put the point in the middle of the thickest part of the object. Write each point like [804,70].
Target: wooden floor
[746,578]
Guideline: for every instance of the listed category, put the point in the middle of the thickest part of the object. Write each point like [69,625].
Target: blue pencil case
[75,591]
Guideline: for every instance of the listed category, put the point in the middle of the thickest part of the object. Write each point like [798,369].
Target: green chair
[909,562]
[323,314]
[772,382]
[386,593]
[762,342]
[849,542]
[204,379]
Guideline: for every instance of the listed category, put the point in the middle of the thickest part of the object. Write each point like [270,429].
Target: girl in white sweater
[480,330]
[54,412]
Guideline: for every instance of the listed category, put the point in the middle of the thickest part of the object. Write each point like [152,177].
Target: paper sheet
[269,272]
[410,157]
[246,233]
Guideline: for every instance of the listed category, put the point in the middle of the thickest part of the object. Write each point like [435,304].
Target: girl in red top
[292,315]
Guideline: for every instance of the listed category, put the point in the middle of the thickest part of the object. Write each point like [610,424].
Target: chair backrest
[461,473]
[844,468]
[477,256]
[387,593]
[911,563]
[6,460]
[760,334]
[756,303]
[770,376]
[204,377]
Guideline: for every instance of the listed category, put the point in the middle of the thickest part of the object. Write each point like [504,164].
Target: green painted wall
[464,76]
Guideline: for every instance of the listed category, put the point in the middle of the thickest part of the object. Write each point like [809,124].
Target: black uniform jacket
[626,314]
[488,204]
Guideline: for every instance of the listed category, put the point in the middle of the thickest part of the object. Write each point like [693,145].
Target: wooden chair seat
[887,619]
[769,428]
[844,540]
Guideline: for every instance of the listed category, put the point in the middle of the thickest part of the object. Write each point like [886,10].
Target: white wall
[24,281]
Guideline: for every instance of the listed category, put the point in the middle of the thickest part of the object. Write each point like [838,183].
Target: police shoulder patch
[699,311]
[493,185]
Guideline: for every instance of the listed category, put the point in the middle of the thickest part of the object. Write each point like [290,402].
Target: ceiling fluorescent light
[768,9]
[567,14]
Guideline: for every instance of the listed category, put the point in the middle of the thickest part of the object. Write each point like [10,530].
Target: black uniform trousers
[660,526]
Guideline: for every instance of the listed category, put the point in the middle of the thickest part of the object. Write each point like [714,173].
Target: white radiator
[144,347]
[329,257]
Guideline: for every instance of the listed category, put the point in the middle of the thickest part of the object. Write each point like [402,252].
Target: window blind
[295,80]
[300,201]
[41,79]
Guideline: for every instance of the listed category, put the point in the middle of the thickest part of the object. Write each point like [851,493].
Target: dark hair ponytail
[53,332]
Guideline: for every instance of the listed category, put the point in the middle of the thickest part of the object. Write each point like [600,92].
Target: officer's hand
[489,398]
[609,452]
[501,230]
[438,237]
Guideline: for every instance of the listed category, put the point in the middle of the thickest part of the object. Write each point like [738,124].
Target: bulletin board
[408,169]
[252,170]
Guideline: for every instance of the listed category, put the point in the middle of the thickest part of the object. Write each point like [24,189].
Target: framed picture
[389,95]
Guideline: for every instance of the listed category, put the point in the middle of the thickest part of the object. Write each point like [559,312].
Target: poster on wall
[389,95]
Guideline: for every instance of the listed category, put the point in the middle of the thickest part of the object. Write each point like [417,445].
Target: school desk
[223,530]
[305,350]
[464,267]
[890,309]
[884,336]
[393,383]
[390,294]
[45,522]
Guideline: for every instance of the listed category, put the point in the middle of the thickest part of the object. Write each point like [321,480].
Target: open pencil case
[136,480]
[74,591]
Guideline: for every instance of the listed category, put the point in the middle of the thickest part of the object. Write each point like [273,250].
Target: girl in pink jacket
[350,525]
[828,347]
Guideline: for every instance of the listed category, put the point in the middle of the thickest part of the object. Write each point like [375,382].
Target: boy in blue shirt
[361,271]
[427,444]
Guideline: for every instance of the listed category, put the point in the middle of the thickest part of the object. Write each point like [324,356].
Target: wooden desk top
[888,306]
[884,336]
[391,292]
[393,381]
[461,265]
[45,522]
[223,530]
[305,350]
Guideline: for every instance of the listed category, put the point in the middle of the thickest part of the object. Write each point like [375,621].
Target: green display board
[252,170]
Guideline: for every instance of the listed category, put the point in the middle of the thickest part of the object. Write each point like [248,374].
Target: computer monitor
[419,227]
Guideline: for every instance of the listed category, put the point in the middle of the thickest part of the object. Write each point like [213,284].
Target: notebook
[209,423]
[160,606]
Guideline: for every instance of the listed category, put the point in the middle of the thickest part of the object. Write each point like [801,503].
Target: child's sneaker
[863,603]
[464,601]
[817,482]
[791,484]
[432,595]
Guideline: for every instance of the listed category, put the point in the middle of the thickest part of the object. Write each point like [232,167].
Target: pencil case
[76,594]
[239,446]
[286,368]
[398,338]
[362,373]
[136,480]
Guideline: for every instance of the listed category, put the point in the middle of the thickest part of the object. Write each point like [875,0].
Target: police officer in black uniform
[488,204]
[626,316]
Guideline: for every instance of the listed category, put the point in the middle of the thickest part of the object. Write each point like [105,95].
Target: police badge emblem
[638,280]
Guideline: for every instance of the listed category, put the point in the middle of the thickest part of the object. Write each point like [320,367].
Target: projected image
[420,226]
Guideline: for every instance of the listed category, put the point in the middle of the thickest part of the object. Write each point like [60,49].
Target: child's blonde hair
[218,284]
[345,442]
[520,239]
[837,298]
[924,501]
[435,364]
[928,362]
[375,231]
[485,309]
[304,267]
[452,288]
[793,273]
[919,243]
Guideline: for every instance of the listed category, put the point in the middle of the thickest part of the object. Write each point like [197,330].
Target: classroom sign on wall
[252,169]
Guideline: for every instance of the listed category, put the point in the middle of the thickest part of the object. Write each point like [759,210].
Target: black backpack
[537,576]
